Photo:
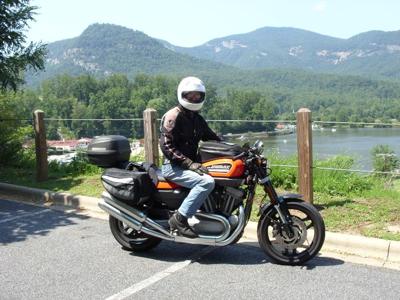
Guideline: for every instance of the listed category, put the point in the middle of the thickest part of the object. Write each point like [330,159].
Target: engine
[224,200]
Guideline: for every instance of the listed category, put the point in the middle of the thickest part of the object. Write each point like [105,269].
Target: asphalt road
[45,254]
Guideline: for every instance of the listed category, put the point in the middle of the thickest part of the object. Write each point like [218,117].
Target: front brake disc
[299,235]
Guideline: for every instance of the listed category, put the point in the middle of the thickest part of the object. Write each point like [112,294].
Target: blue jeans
[200,185]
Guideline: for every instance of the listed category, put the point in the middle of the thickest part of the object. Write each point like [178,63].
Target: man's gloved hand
[198,168]
[194,166]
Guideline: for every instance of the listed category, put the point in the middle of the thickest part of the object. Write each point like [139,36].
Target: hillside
[104,49]
[372,54]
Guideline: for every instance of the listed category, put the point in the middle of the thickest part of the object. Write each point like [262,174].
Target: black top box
[109,151]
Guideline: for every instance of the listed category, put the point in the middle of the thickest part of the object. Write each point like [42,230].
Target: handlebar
[243,153]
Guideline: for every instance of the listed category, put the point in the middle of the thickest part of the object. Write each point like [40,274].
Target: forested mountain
[372,54]
[104,49]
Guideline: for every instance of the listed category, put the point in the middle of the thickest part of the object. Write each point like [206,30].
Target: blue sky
[190,23]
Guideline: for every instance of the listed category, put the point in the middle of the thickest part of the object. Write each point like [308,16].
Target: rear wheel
[308,234]
[129,238]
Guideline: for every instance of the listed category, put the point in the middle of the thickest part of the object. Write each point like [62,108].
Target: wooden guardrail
[304,147]
[151,153]
[305,154]
[40,146]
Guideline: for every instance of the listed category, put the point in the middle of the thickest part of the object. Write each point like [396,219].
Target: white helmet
[187,85]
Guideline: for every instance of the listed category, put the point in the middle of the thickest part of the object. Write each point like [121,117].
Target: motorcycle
[139,201]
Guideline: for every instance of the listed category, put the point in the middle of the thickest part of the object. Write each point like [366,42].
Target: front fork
[279,205]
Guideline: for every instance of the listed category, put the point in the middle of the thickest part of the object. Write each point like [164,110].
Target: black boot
[180,223]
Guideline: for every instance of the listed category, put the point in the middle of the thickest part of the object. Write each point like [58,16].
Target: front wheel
[129,238]
[308,235]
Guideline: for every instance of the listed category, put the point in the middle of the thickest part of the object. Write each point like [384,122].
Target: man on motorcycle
[182,127]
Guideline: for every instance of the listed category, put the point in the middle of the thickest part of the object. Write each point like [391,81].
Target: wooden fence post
[40,146]
[150,136]
[305,155]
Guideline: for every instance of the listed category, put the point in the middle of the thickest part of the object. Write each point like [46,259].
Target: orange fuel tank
[221,167]
[225,167]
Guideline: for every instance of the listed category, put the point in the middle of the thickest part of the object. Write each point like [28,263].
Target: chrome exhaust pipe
[131,222]
[132,217]
[120,216]
[217,241]
[133,213]
[208,239]
[238,229]
[140,222]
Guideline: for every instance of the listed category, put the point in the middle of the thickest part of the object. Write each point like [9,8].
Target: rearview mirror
[259,146]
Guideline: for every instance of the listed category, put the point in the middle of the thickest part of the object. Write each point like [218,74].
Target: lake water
[354,142]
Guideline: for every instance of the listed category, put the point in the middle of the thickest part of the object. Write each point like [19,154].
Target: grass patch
[78,177]
[368,216]
[80,184]
[348,202]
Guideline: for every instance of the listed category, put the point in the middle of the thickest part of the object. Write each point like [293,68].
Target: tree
[13,129]
[15,55]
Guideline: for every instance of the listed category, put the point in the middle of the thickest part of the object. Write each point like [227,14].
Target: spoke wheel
[306,238]
[129,238]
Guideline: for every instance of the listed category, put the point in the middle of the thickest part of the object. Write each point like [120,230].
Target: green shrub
[284,177]
[384,159]
[79,166]
[337,182]
[330,182]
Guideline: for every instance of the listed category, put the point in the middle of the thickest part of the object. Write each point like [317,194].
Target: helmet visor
[193,97]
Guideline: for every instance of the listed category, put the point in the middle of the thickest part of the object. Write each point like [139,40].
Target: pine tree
[15,55]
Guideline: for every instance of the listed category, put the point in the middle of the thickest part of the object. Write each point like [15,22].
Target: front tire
[129,238]
[309,234]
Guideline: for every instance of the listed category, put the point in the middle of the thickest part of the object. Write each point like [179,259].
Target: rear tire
[309,234]
[130,239]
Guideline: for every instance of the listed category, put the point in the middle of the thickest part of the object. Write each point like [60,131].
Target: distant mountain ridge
[104,49]
[374,53]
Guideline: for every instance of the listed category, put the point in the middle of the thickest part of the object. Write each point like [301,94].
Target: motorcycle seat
[162,182]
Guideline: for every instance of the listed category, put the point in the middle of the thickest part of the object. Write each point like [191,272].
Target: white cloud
[320,6]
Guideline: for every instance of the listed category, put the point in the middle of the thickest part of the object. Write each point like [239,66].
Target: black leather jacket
[181,132]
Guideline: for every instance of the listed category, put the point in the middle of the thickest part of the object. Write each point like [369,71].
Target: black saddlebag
[132,186]
[213,150]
